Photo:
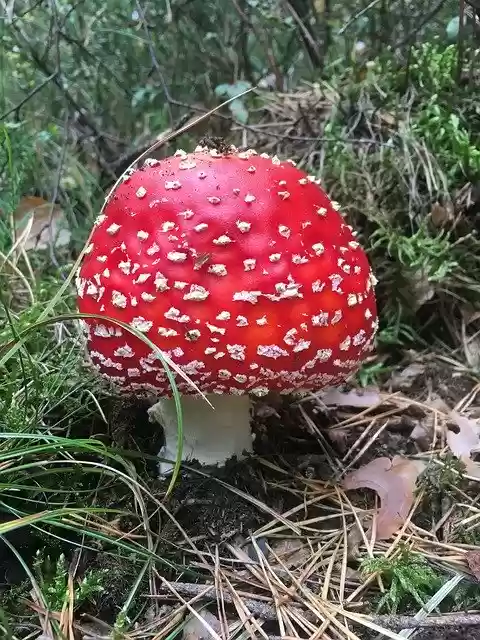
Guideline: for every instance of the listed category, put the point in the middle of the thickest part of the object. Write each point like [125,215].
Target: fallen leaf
[473,562]
[464,442]
[201,629]
[394,482]
[257,550]
[466,439]
[440,214]
[426,427]
[95,631]
[437,403]
[354,541]
[354,398]
[339,437]
[469,315]
[293,552]
[421,433]
[404,379]
[45,216]
[419,288]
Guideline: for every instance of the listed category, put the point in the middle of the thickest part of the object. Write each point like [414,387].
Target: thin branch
[155,62]
[54,196]
[358,15]
[421,23]
[265,611]
[29,96]
[265,44]
[310,43]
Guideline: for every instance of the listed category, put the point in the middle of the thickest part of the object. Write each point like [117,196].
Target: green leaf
[239,111]
[453,28]
[222,90]
[232,90]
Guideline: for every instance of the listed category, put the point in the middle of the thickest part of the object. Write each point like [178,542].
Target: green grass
[410,580]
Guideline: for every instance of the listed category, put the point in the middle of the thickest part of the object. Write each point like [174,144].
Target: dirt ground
[270,524]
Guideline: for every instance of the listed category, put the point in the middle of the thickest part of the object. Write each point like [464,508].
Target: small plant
[370,373]
[433,66]
[237,106]
[449,139]
[53,580]
[411,580]
[441,477]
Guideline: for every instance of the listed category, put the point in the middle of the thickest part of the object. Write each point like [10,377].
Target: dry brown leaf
[463,443]
[195,629]
[95,631]
[44,216]
[422,433]
[441,214]
[437,403]
[292,552]
[394,482]
[355,398]
[473,562]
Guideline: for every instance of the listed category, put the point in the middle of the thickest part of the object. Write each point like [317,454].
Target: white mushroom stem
[210,435]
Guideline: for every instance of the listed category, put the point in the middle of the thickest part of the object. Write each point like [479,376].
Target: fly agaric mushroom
[241,269]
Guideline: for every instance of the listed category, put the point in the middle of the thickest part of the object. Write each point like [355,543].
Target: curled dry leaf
[353,398]
[394,482]
[465,441]
[46,217]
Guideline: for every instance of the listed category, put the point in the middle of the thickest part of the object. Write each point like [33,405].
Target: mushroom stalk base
[211,436]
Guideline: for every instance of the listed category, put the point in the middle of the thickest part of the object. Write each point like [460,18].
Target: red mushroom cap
[238,266]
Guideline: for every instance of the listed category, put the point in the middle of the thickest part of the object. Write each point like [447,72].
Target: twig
[29,96]
[83,118]
[268,612]
[436,622]
[310,43]
[56,187]
[257,607]
[420,24]
[358,15]
[264,42]
[155,62]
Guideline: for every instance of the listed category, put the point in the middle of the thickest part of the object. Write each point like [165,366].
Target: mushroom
[241,269]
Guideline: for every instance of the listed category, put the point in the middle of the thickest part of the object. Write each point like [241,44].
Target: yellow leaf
[48,222]
[394,481]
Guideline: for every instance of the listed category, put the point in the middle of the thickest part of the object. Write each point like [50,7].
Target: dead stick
[409,622]
[267,612]
[257,607]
